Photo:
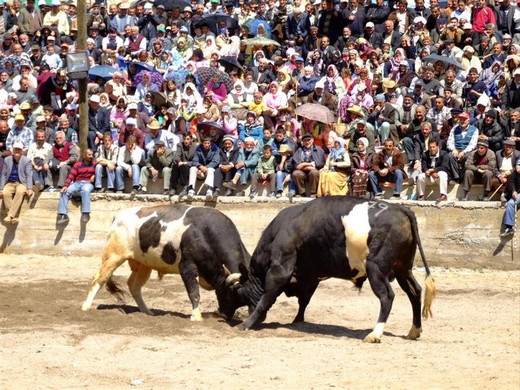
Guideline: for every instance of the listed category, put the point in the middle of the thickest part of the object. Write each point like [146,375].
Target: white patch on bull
[131,223]
[357,227]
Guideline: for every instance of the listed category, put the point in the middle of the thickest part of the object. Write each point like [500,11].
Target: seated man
[205,161]
[228,160]
[15,182]
[480,167]
[307,162]
[387,165]
[129,161]
[434,170]
[79,182]
[513,200]
[106,157]
[159,161]
[462,140]
[246,164]
[64,156]
[40,154]
[505,165]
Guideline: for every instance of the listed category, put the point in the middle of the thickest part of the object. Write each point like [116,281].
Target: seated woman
[334,175]
[119,113]
[275,99]
[116,87]
[216,89]
[361,162]
[252,128]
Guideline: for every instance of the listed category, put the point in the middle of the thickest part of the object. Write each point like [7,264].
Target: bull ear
[244,273]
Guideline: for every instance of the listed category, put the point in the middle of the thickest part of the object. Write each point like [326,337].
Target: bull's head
[229,297]
[241,284]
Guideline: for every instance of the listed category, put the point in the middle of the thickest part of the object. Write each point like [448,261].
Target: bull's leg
[413,290]
[275,281]
[189,273]
[383,290]
[113,257]
[138,278]
[305,290]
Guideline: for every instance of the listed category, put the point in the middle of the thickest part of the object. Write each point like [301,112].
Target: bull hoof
[243,326]
[196,317]
[85,307]
[414,333]
[372,338]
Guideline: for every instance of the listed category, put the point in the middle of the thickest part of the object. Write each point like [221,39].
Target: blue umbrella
[179,76]
[103,71]
[143,66]
[253,27]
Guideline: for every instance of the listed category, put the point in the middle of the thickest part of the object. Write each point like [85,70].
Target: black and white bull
[339,237]
[195,242]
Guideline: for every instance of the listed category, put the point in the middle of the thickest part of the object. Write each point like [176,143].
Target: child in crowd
[265,172]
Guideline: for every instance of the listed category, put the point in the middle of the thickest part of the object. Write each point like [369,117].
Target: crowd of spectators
[422,93]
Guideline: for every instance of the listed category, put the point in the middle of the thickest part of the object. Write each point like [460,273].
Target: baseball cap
[467,26]
[159,143]
[483,143]
[18,145]
[132,106]
[369,24]
[463,115]
[94,99]
[131,121]
[40,118]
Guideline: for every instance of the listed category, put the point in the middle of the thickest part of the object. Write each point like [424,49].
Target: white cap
[94,99]
[148,6]
[467,26]
[132,106]
[320,84]
[369,24]
[56,3]
[517,71]
[419,19]
[131,121]
[18,145]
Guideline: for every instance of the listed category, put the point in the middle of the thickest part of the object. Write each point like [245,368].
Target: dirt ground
[46,341]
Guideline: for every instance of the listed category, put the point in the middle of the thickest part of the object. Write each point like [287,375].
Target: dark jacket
[317,155]
[440,164]
[98,121]
[418,143]
[160,162]
[183,154]
[209,159]
[513,184]
[500,157]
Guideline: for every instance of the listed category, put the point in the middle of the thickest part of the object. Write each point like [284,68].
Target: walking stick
[494,193]
[513,238]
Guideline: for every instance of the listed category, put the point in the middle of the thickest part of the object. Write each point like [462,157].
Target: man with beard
[321,96]
[262,75]
[307,162]
[30,19]
[450,81]
[228,159]
[79,182]
[405,75]
[462,141]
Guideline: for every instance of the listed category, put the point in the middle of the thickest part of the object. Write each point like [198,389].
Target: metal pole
[81,45]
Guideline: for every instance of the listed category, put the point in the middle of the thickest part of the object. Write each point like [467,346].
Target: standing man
[79,182]
[513,200]
[15,182]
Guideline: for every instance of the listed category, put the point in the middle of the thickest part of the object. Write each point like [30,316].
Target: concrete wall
[456,234]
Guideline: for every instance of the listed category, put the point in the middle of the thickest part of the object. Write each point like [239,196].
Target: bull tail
[431,289]
[114,289]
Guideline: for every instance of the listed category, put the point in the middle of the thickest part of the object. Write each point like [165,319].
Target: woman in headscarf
[424,52]
[229,122]
[333,81]
[210,47]
[119,113]
[334,175]
[361,162]
[275,98]
[146,105]
[490,77]
[145,86]
[216,89]
[192,96]
[391,68]
[163,62]
[470,60]
[183,49]
[172,92]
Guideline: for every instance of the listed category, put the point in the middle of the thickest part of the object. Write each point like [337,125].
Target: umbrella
[213,20]
[316,112]
[253,27]
[143,66]
[160,98]
[433,58]
[206,73]
[205,126]
[104,71]
[155,78]
[229,63]
[260,41]
[179,76]
[169,4]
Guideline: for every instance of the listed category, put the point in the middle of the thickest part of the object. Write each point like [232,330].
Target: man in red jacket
[79,182]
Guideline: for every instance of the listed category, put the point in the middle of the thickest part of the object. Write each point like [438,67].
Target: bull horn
[226,271]
[233,279]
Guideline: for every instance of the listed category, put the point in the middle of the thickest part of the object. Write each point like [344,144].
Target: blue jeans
[83,188]
[395,177]
[120,173]
[111,175]
[509,215]
[280,177]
